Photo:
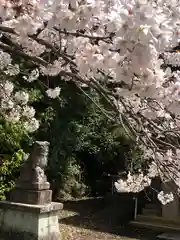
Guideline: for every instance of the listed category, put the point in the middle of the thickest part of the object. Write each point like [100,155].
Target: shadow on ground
[111,215]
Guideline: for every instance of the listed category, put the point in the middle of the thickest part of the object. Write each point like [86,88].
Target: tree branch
[11,50]
[78,34]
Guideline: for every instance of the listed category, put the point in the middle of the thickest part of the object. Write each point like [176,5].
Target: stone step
[151,206]
[151,212]
[157,223]
[158,220]
[169,236]
[156,226]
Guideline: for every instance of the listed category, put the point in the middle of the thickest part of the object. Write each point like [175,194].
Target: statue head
[39,155]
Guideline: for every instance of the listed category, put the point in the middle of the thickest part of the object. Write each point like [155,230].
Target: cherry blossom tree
[119,48]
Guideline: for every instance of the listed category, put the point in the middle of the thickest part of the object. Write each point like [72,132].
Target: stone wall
[28,222]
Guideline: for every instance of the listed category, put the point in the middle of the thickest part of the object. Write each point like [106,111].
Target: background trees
[85,145]
[116,48]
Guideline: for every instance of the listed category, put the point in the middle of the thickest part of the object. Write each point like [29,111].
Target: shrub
[12,137]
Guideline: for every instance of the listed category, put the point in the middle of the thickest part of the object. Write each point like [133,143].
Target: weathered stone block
[29,222]
[31,196]
[33,186]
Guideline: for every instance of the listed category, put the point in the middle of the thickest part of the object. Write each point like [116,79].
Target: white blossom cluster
[116,38]
[165,198]
[134,183]
[13,104]
[53,93]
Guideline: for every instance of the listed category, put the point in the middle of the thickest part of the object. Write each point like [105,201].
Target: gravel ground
[84,222]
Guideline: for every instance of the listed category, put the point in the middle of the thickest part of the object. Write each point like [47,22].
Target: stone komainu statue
[32,186]
[33,169]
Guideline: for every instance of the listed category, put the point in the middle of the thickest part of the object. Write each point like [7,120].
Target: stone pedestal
[31,215]
[171,210]
[31,196]
[29,222]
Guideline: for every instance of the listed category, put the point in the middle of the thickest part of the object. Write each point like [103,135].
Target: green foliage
[12,138]
[9,171]
[84,144]
[135,160]
[35,95]
[73,185]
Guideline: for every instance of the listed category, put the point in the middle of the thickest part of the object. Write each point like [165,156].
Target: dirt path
[86,221]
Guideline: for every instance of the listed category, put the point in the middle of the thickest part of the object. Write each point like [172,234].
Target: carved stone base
[29,222]
[33,186]
[31,197]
